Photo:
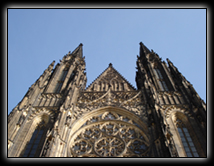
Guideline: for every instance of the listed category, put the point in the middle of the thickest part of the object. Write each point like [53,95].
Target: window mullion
[184,133]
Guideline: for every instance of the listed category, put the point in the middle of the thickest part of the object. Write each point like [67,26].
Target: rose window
[109,139]
[109,146]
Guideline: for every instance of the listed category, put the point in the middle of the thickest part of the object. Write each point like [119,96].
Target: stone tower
[60,117]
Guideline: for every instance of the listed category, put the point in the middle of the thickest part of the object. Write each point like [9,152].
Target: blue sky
[36,37]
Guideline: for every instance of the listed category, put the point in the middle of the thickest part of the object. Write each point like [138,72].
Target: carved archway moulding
[41,114]
[171,110]
[116,133]
[77,124]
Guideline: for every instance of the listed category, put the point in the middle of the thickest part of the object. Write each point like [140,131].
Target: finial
[110,64]
[168,60]
[81,44]
[52,63]
[50,67]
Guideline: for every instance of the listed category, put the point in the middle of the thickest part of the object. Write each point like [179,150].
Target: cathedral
[60,117]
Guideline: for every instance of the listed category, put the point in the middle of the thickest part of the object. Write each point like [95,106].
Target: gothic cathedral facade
[59,117]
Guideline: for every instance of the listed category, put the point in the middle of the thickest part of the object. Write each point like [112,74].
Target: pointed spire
[143,50]
[78,51]
[174,70]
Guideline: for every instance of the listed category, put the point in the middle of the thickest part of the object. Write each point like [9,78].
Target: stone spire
[143,50]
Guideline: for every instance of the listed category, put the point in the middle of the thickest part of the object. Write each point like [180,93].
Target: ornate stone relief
[89,101]
[49,100]
[110,115]
[174,108]
[38,112]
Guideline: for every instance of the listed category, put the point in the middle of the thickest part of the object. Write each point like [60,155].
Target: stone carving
[109,146]
[89,101]
[111,116]
[109,139]
[22,118]
[110,79]
[68,120]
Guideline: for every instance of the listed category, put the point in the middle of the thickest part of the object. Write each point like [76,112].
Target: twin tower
[60,117]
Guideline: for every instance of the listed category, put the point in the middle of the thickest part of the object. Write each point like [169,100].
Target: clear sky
[36,37]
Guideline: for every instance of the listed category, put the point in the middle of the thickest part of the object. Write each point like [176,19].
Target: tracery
[109,135]
[186,139]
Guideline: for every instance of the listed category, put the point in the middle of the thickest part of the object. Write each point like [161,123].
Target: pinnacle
[110,64]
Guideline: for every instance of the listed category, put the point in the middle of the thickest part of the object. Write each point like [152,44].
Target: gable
[112,79]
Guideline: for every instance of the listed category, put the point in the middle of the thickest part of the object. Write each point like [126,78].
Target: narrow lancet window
[186,140]
[33,145]
[161,82]
[60,81]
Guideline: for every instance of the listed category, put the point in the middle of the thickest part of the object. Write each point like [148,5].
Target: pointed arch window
[161,82]
[186,139]
[36,138]
[60,81]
